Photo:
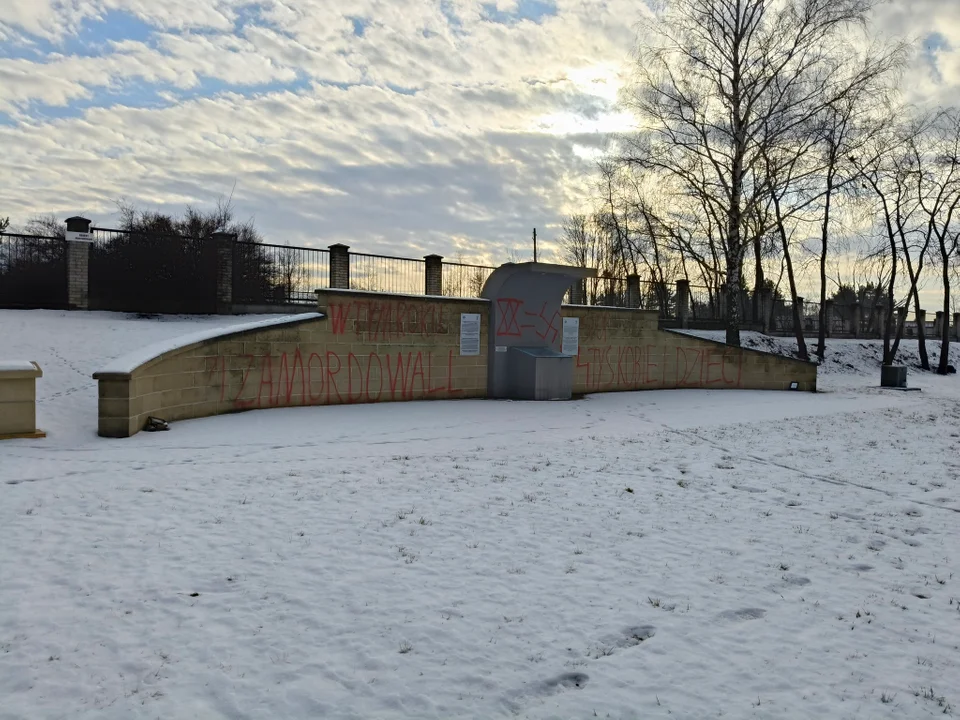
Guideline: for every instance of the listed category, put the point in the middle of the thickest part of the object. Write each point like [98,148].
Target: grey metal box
[540,374]
[894,376]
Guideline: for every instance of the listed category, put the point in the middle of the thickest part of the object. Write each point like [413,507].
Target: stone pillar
[433,275]
[856,319]
[578,293]
[803,319]
[921,322]
[683,302]
[880,319]
[827,317]
[722,302]
[956,326]
[633,292]
[766,308]
[223,244]
[938,325]
[339,267]
[78,265]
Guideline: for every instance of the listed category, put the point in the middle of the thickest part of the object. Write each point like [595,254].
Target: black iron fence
[152,273]
[33,272]
[464,279]
[387,274]
[266,274]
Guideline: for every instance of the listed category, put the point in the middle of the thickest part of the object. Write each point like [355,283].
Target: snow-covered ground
[684,554]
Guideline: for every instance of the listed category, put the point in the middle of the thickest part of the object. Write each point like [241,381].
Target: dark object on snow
[894,376]
[155,424]
[951,370]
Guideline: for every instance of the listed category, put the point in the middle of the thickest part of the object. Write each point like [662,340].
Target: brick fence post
[340,266]
[766,308]
[433,274]
[828,318]
[223,243]
[683,302]
[633,291]
[956,326]
[938,325]
[880,320]
[78,265]
[856,318]
[921,321]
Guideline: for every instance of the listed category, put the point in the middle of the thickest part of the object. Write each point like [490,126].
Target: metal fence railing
[464,279]
[278,274]
[146,272]
[384,273]
[33,272]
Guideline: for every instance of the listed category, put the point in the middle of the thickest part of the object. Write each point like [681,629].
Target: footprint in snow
[796,580]
[744,614]
[576,680]
[862,567]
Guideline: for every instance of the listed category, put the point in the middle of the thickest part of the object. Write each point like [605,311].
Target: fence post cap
[338,246]
[433,256]
[78,224]
[222,235]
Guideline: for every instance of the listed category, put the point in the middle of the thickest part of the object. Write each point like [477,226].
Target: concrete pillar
[683,302]
[856,319]
[938,325]
[901,318]
[956,326]
[921,321]
[78,265]
[633,292]
[880,319]
[828,317]
[339,266]
[433,274]
[722,302]
[803,319]
[223,243]
[766,308]
[578,293]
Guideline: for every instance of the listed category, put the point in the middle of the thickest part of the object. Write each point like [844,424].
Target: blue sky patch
[532,10]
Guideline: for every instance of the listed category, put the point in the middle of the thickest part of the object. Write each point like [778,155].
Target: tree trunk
[921,331]
[888,356]
[733,301]
[823,319]
[797,321]
[945,323]
[758,279]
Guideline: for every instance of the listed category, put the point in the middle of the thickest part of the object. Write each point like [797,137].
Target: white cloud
[387,124]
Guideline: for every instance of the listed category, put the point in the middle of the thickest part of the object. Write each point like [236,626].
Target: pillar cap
[338,246]
[433,256]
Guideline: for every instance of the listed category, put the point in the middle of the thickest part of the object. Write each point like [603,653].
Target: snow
[636,555]
[16,366]
[131,361]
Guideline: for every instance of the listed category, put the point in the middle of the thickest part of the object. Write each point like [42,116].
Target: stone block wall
[18,399]
[366,348]
[625,350]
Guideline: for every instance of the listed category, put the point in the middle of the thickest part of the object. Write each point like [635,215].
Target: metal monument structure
[526,361]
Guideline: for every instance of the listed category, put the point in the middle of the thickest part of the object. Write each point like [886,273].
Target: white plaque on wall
[571,336]
[74,236]
[469,333]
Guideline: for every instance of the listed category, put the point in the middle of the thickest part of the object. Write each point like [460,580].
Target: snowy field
[684,554]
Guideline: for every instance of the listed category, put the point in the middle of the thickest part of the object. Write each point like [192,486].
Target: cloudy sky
[397,126]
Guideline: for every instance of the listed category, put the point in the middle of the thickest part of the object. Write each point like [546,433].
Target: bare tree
[938,176]
[4,223]
[727,80]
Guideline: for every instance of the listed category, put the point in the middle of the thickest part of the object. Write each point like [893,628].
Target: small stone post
[956,326]
[901,317]
[433,274]
[828,318]
[78,265]
[722,302]
[223,243]
[880,319]
[683,302]
[921,322]
[766,308]
[938,325]
[803,319]
[633,291]
[856,319]
[340,266]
